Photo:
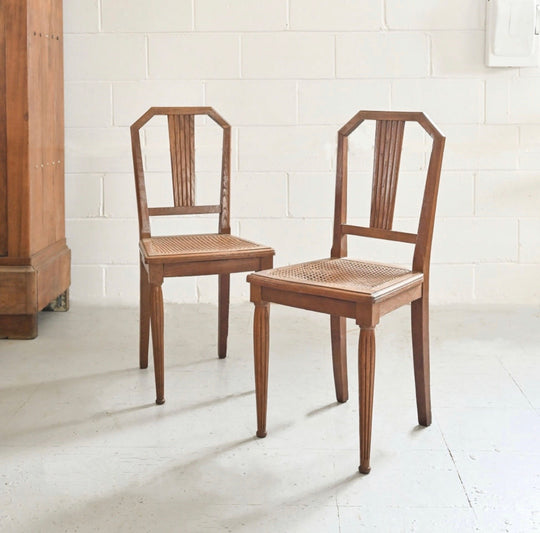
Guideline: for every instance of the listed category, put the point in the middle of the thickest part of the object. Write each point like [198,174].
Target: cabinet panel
[3,161]
[45,120]
[34,258]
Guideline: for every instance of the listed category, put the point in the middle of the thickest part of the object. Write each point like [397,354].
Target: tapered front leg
[261,350]
[223,312]
[144,320]
[338,327]
[366,378]
[420,341]
[156,312]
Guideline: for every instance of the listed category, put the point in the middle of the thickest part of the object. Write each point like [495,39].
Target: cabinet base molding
[26,290]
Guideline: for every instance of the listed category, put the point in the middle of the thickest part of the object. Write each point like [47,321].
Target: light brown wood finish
[186,255]
[388,144]
[144,319]
[32,226]
[156,314]
[366,381]
[182,142]
[338,333]
[362,290]
[261,357]
[224,282]
[3,141]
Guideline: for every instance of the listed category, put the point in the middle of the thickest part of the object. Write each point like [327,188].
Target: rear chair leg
[338,327]
[260,350]
[156,311]
[223,313]
[144,320]
[366,378]
[420,342]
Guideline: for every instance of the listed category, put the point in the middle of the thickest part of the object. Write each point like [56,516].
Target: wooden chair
[361,290]
[186,255]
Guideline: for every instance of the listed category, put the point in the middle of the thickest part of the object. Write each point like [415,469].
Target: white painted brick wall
[240,15]
[435,14]
[144,16]
[338,15]
[382,55]
[287,74]
[288,55]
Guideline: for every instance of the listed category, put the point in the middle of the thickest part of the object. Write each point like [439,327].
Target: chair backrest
[389,130]
[181,123]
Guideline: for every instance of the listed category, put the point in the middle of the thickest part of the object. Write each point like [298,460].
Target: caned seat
[357,288]
[204,247]
[353,279]
[186,255]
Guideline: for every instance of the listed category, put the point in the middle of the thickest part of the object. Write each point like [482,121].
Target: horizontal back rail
[377,233]
[184,210]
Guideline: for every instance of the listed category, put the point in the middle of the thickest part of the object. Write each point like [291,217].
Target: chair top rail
[406,116]
[167,111]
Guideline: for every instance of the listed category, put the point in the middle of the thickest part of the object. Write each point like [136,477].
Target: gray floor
[84,448]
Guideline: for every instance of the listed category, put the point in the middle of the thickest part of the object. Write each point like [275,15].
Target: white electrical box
[512,28]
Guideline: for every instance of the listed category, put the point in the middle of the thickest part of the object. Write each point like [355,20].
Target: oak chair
[362,290]
[186,255]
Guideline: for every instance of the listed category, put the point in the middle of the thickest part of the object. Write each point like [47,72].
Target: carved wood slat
[388,144]
[182,140]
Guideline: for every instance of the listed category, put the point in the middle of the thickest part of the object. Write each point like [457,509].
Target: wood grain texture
[144,317]
[3,137]
[182,148]
[377,233]
[19,327]
[261,357]
[18,290]
[338,334]
[366,381]
[420,343]
[388,145]
[184,210]
[339,244]
[365,290]
[225,196]
[224,282]
[187,255]
[156,313]
[16,101]
[32,221]
[53,277]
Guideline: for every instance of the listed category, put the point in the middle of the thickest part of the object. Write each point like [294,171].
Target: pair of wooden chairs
[338,286]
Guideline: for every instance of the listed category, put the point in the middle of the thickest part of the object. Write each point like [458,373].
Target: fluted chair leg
[366,375]
[261,352]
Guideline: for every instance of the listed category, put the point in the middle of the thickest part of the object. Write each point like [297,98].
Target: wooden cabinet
[34,257]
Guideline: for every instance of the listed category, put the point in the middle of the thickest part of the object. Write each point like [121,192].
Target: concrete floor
[83,447]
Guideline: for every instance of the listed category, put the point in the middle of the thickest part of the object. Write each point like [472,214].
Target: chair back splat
[389,132]
[181,125]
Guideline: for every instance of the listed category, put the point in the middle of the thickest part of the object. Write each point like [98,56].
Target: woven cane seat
[199,247]
[343,274]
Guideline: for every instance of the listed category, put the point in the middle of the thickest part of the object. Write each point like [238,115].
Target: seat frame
[365,308]
[153,269]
